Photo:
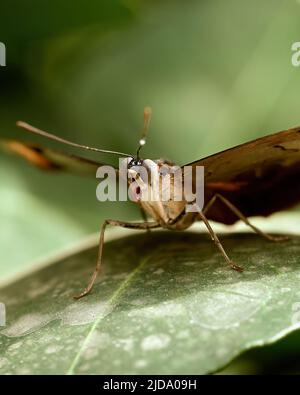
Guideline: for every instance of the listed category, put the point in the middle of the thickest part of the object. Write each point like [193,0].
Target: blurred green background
[216,74]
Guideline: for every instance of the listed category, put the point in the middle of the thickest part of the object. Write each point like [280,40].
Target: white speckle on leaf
[53,349]
[189,263]
[285,290]
[3,362]
[15,346]
[126,344]
[159,271]
[155,342]
[184,334]
[96,343]
[284,269]
[140,363]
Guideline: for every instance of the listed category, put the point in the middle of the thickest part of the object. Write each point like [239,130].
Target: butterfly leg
[240,215]
[133,225]
[145,219]
[217,242]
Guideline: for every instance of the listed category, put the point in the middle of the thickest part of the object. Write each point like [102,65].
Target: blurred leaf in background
[41,212]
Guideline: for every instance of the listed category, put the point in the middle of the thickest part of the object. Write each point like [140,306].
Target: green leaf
[165,303]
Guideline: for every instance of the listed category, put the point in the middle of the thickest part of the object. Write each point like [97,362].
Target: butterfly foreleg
[242,217]
[130,225]
[145,218]
[218,244]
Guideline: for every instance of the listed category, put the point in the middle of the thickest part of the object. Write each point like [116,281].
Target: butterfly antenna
[147,119]
[34,130]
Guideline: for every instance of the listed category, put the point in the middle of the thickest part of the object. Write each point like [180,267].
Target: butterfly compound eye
[135,162]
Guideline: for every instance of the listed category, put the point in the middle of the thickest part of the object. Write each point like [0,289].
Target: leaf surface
[165,303]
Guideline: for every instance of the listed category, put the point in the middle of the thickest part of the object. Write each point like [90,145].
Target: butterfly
[256,178]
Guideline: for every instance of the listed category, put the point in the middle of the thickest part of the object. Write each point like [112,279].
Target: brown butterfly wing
[259,177]
[48,159]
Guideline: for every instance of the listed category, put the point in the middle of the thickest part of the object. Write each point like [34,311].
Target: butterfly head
[144,174]
[139,173]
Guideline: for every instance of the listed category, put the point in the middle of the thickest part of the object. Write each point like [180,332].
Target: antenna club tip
[22,124]
[142,142]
